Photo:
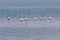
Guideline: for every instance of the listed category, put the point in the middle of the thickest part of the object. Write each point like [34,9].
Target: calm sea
[14,30]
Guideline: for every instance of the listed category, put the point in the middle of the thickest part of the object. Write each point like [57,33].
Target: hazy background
[29,3]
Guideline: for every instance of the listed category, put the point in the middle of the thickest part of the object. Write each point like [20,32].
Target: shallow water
[29,33]
[31,30]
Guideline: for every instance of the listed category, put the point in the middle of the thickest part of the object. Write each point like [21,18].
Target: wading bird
[35,19]
[21,20]
[26,21]
[8,18]
[49,19]
[41,19]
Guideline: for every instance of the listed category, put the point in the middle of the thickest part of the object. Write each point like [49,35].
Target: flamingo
[21,19]
[35,18]
[8,18]
[40,18]
[26,21]
[49,19]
